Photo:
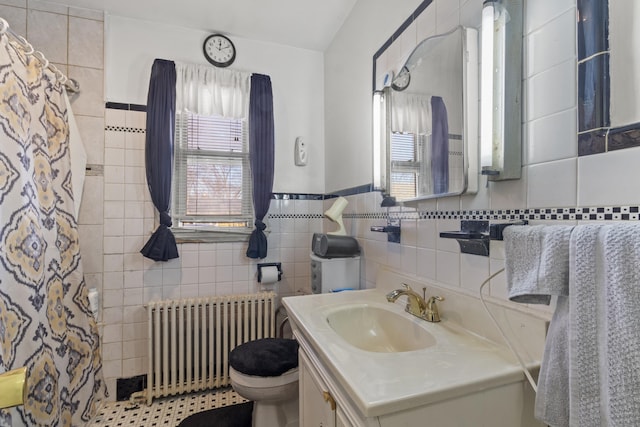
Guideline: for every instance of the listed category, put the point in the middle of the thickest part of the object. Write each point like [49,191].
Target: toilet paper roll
[94,300]
[13,387]
[269,274]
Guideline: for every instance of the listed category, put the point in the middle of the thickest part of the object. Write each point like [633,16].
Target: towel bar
[474,236]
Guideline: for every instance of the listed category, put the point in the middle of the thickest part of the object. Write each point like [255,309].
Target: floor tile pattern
[167,412]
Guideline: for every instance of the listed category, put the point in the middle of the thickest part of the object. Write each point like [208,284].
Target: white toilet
[266,372]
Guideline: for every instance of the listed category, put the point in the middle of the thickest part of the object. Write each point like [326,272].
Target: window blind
[404,165]
[212,182]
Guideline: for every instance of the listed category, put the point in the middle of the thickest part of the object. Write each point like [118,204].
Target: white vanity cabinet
[321,404]
[317,406]
[324,404]
[458,377]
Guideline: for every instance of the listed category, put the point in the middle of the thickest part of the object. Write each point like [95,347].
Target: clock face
[402,80]
[219,50]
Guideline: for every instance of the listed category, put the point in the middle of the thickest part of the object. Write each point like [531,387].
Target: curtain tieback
[260,225]
[165,219]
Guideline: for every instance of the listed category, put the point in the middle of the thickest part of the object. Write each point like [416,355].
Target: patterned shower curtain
[45,320]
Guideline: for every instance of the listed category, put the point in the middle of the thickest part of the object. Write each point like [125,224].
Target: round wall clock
[219,50]
[402,80]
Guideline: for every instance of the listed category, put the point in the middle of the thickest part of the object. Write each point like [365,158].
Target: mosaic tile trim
[608,213]
[125,106]
[294,196]
[296,216]
[125,129]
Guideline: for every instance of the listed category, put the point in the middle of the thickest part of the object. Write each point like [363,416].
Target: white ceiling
[308,24]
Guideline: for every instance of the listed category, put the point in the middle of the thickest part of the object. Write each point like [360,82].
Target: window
[212,178]
[405,165]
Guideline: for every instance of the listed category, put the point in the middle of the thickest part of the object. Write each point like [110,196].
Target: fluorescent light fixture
[486,88]
[500,137]
[379,140]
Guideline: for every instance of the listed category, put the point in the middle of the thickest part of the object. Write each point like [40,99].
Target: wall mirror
[426,121]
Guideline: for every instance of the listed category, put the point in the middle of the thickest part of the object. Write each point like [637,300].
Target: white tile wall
[540,13]
[15,16]
[447,14]
[45,30]
[552,174]
[552,90]
[86,42]
[202,269]
[552,44]
[553,184]
[552,137]
[609,179]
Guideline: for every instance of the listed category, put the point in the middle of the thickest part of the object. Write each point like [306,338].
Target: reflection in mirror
[427,118]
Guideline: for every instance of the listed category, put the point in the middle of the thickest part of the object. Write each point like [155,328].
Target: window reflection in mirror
[431,120]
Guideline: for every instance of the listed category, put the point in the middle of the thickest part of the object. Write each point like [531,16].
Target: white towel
[552,398]
[537,262]
[537,267]
[604,333]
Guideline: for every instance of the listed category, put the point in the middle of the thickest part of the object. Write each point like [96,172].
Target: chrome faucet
[416,304]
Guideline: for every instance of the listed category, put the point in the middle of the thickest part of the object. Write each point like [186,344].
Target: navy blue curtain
[261,148]
[161,112]
[439,145]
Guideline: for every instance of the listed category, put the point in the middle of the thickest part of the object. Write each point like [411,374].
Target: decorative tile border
[297,216]
[124,106]
[297,196]
[125,129]
[608,213]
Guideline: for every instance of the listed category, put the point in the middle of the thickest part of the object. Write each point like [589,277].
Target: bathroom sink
[376,329]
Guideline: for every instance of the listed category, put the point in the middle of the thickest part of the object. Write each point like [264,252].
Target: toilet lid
[266,357]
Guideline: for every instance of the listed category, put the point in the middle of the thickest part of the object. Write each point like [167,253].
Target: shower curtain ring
[4,26]
[40,56]
[62,79]
[28,48]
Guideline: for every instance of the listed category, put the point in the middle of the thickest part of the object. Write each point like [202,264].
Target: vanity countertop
[459,363]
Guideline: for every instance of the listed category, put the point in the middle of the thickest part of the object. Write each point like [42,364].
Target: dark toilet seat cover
[265,357]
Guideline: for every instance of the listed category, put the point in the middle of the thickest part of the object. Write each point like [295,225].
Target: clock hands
[219,50]
[220,47]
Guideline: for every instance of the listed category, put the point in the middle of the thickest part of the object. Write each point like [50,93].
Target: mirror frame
[469,61]
[382,120]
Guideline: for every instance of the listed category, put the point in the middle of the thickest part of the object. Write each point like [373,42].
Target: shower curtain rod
[71,85]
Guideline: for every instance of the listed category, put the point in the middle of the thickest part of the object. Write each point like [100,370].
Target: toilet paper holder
[278,265]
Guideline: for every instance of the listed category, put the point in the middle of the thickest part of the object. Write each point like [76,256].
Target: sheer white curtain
[202,89]
[411,113]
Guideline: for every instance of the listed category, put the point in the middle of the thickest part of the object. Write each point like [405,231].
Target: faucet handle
[432,314]
[407,286]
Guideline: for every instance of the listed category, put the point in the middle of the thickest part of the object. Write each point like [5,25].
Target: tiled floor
[167,412]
